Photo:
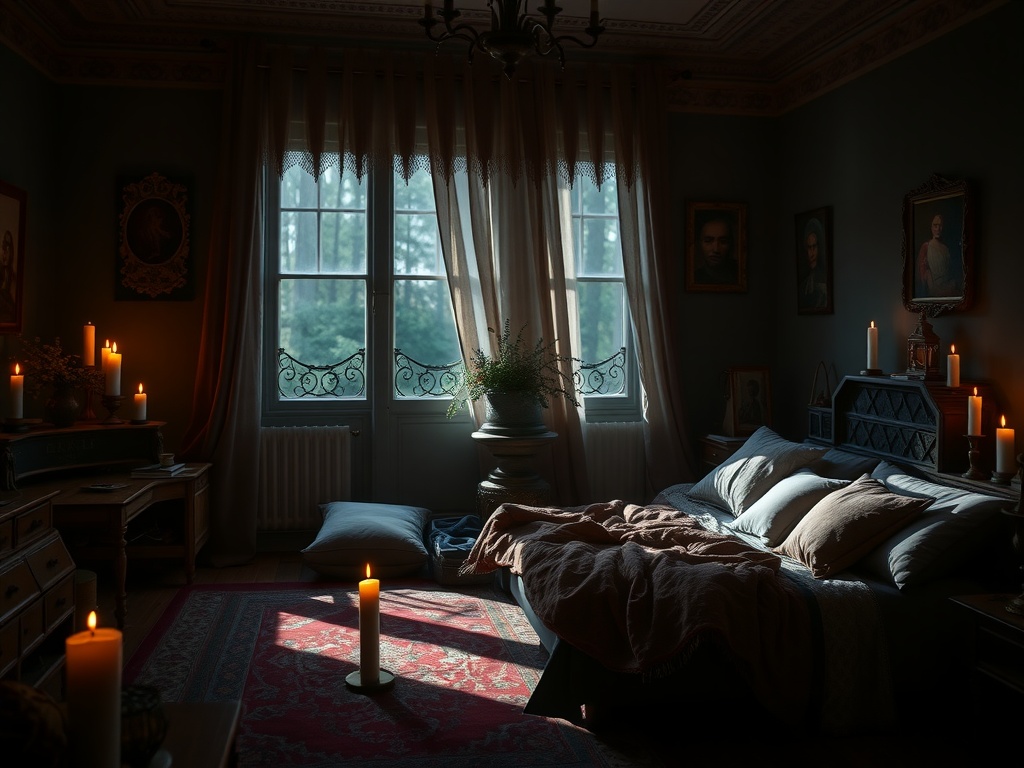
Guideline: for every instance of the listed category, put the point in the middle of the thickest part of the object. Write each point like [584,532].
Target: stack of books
[158,470]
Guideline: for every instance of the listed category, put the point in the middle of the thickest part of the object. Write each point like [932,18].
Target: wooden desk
[94,524]
[201,734]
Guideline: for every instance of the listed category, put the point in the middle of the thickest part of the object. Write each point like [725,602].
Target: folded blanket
[637,587]
[454,537]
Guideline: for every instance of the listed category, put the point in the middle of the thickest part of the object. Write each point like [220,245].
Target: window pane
[321,322]
[417,195]
[601,320]
[298,189]
[344,192]
[298,242]
[600,248]
[416,246]
[425,323]
[343,240]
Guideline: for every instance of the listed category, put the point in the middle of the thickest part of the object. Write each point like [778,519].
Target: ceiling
[725,56]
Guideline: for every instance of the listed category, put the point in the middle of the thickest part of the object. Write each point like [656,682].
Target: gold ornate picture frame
[153,257]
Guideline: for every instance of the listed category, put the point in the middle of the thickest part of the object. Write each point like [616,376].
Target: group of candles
[110,364]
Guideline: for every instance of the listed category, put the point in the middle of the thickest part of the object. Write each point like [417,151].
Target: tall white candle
[139,414]
[369,630]
[953,368]
[872,347]
[974,413]
[1004,449]
[89,345]
[93,693]
[17,393]
[113,371]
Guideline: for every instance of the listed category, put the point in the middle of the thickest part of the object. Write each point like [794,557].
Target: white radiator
[615,460]
[301,468]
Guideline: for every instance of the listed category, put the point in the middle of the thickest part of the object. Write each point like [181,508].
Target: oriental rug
[465,661]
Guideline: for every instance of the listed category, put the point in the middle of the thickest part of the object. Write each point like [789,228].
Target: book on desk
[158,470]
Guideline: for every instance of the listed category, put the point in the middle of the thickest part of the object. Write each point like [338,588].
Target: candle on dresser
[17,393]
[113,371]
[139,413]
[953,368]
[369,630]
[1005,449]
[92,667]
[104,354]
[974,413]
[89,345]
[872,347]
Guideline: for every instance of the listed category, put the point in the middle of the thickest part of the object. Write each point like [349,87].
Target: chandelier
[513,33]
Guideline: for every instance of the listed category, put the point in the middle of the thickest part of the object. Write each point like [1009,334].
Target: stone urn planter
[513,413]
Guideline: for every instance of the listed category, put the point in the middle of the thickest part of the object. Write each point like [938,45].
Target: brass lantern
[923,352]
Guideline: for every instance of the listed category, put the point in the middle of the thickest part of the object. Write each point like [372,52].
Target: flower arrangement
[48,367]
[516,368]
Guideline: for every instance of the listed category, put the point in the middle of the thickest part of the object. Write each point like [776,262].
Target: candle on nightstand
[872,347]
[112,368]
[92,666]
[104,354]
[953,368]
[17,393]
[1004,449]
[369,629]
[89,345]
[974,413]
[139,414]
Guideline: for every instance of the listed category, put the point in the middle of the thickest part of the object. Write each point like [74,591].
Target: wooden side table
[714,449]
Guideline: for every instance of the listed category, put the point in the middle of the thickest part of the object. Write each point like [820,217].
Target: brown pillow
[847,524]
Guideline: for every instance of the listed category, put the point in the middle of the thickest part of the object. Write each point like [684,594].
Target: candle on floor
[17,393]
[369,629]
[93,692]
[974,413]
[113,371]
[89,345]
[872,347]
[140,405]
[953,368]
[1004,449]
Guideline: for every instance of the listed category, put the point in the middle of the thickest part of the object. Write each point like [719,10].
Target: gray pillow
[388,537]
[747,475]
[844,465]
[775,514]
[949,532]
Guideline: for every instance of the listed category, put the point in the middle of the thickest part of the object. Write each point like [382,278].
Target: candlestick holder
[113,403]
[1002,478]
[385,682]
[974,457]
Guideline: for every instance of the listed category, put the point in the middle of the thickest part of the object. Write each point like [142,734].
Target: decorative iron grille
[607,377]
[416,379]
[296,379]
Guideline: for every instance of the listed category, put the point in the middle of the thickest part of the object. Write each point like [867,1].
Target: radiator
[615,460]
[301,468]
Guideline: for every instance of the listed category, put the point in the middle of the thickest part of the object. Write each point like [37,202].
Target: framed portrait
[153,258]
[716,247]
[749,404]
[13,218]
[814,262]
[938,247]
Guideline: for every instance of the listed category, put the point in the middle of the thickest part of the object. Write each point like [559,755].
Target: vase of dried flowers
[59,376]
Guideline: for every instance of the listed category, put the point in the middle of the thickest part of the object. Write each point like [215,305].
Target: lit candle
[113,371]
[974,413]
[89,345]
[140,405]
[93,693]
[369,630]
[872,347]
[104,354]
[953,368]
[1004,448]
[17,393]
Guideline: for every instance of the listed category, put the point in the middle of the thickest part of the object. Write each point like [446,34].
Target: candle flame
[140,387]
[17,368]
[92,621]
[107,344]
[872,323]
[952,349]
[113,347]
[975,391]
[367,570]
[1002,422]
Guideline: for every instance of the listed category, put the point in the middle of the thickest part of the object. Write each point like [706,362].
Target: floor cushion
[354,534]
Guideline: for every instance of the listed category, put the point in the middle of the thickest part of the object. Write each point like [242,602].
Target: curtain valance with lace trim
[368,107]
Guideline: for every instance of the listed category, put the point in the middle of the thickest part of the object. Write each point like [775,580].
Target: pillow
[775,514]
[745,476]
[387,536]
[948,534]
[844,465]
[847,524]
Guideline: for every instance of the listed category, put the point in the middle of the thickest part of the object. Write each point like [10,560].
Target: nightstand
[995,658]
[714,449]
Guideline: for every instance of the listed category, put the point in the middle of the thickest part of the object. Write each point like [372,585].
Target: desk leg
[120,574]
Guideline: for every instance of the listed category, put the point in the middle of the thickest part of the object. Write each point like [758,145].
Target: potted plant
[49,370]
[516,382]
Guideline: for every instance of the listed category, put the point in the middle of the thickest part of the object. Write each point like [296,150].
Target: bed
[807,584]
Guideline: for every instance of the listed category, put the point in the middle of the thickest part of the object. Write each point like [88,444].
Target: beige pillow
[847,524]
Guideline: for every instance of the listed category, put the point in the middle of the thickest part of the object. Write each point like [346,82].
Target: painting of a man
[813,262]
[716,258]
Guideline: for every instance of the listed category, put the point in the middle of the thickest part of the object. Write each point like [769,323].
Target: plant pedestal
[514,479]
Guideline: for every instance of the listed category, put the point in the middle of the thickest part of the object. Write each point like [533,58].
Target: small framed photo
[716,248]
[749,403]
[13,218]
[938,247]
[814,262]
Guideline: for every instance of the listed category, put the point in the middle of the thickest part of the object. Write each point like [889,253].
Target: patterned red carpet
[465,664]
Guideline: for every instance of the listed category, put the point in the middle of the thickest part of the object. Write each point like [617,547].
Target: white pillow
[776,513]
[747,475]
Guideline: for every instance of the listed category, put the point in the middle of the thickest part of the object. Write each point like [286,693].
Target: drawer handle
[11,589]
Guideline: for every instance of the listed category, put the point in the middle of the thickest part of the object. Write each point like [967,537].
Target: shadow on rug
[465,663]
